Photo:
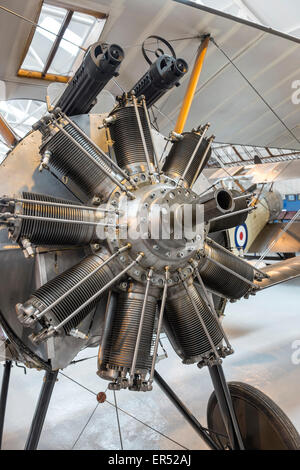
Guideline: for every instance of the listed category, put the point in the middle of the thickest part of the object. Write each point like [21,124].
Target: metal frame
[226,408]
[220,386]
[41,410]
[3,397]
[185,412]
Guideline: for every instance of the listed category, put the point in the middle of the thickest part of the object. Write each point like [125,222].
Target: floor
[262,331]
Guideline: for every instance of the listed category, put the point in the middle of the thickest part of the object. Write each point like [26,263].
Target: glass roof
[81,30]
[51,18]
[20,115]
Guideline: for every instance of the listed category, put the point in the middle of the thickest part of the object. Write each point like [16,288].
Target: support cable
[118,420]
[255,90]
[84,427]
[126,412]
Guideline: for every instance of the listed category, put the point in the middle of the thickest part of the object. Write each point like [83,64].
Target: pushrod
[138,339]
[149,125]
[63,296]
[212,307]
[159,325]
[60,204]
[201,320]
[87,302]
[102,168]
[200,167]
[222,248]
[65,221]
[230,214]
[99,149]
[138,118]
[231,271]
[193,155]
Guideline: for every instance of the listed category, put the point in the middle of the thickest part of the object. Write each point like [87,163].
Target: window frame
[44,75]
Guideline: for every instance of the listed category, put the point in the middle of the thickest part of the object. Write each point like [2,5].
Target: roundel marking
[241,236]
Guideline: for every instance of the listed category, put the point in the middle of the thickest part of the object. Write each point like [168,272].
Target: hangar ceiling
[237,114]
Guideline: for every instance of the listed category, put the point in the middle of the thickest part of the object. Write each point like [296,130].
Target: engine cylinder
[117,352]
[221,281]
[43,232]
[71,162]
[52,290]
[183,327]
[181,153]
[125,133]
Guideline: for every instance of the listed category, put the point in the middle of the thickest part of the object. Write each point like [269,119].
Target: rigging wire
[126,412]
[255,90]
[118,420]
[169,40]
[148,426]
[84,427]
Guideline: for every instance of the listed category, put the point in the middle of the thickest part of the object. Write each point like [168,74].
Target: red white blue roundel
[241,236]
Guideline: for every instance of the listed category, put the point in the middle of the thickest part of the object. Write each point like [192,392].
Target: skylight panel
[59,41]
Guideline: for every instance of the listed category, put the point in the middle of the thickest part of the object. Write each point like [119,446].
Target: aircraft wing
[289,242]
[263,173]
[280,272]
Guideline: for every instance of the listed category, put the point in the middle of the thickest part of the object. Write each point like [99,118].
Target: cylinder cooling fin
[184,328]
[43,232]
[117,353]
[218,279]
[49,293]
[180,154]
[125,133]
[71,162]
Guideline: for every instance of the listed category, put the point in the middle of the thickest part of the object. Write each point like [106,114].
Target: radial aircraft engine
[104,243]
[93,255]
